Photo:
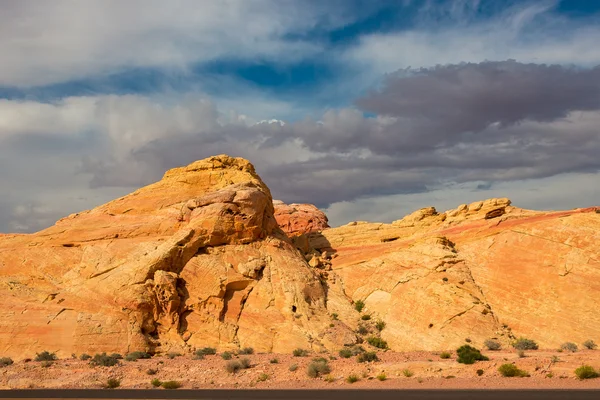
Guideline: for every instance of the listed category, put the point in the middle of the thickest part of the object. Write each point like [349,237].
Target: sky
[369,109]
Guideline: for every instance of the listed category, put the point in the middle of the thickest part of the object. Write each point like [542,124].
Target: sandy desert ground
[548,369]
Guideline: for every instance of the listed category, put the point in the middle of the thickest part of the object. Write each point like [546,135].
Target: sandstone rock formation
[193,260]
[299,219]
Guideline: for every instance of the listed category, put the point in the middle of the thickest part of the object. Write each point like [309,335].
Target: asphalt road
[302,394]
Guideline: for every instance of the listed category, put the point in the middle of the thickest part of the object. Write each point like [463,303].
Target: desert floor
[429,371]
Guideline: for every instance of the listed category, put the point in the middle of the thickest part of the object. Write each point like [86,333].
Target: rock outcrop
[299,219]
[194,260]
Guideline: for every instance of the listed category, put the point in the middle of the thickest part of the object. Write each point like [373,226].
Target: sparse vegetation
[334,316]
[173,355]
[113,383]
[151,371]
[445,355]
[116,356]
[511,370]
[103,360]
[247,350]
[359,305]
[407,373]
[380,325]
[525,344]
[329,378]
[226,355]
[274,361]
[352,378]
[365,317]
[586,372]
[318,368]
[555,359]
[382,377]
[367,357]
[479,372]
[170,385]
[468,355]
[345,353]
[245,362]
[156,382]
[46,364]
[5,362]
[492,344]
[263,377]
[377,342]
[300,353]
[45,356]
[136,355]
[569,346]
[590,345]
[235,365]
[205,351]
[362,330]
[293,367]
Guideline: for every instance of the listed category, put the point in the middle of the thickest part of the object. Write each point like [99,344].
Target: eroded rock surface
[298,219]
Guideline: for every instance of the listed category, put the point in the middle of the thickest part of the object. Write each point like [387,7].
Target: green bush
[407,373]
[367,357]
[345,353]
[45,356]
[274,361]
[85,357]
[263,377]
[300,353]
[233,366]
[362,330]
[511,370]
[226,355]
[377,342]
[445,355]
[380,325]
[382,376]
[359,305]
[113,383]
[245,363]
[206,351]
[103,360]
[365,317]
[589,344]
[468,355]
[171,385]
[156,382]
[320,359]
[352,378]
[569,346]
[136,355]
[5,362]
[492,344]
[116,356]
[247,350]
[586,372]
[525,344]
[319,368]
[293,367]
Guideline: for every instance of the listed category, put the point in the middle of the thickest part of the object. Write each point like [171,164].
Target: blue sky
[91,89]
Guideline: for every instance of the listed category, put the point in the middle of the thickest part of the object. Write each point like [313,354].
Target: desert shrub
[318,368]
[116,356]
[468,355]
[367,357]
[445,355]
[245,363]
[151,371]
[356,350]
[352,378]
[263,377]
[170,385]
[362,330]
[320,359]
[293,367]
[113,383]
[377,342]
[45,356]
[85,357]
[555,359]
[136,355]
[300,353]
[226,355]
[334,316]
[511,370]
[46,364]
[345,353]
[380,325]
[359,305]
[589,344]
[331,325]
[569,346]
[525,344]
[382,377]
[365,317]
[407,373]
[586,372]
[247,350]
[329,378]
[206,351]
[233,366]
[274,361]
[5,362]
[492,344]
[155,382]
[479,372]
[103,360]
[173,355]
